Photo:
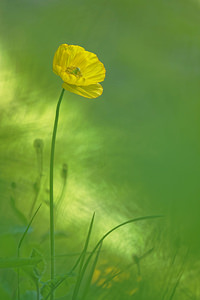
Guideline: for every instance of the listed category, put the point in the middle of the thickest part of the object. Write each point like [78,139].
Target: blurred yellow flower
[80,70]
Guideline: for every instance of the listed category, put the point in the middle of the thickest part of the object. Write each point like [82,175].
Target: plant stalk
[52,241]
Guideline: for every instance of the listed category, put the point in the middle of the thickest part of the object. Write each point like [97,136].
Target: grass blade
[179,276]
[27,228]
[18,262]
[50,286]
[107,234]
[91,273]
[19,246]
[82,260]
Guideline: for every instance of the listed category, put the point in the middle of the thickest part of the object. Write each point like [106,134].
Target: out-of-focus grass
[134,151]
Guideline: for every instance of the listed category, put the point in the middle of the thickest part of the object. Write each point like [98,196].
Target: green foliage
[29,295]
[51,285]
[18,262]
[39,269]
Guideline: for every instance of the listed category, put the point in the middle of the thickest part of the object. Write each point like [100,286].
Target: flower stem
[52,242]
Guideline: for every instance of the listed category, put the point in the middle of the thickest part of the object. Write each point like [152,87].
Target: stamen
[74,70]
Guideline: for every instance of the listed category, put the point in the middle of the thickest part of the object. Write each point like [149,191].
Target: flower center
[74,70]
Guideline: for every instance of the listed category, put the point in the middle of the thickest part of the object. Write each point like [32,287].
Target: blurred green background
[132,152]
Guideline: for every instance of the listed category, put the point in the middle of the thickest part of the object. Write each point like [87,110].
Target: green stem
[52,242]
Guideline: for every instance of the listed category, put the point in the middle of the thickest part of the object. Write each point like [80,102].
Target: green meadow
[127,164]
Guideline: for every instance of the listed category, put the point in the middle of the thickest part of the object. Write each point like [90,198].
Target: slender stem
[52,242]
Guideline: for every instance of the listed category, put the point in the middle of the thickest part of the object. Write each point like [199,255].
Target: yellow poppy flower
[80,70]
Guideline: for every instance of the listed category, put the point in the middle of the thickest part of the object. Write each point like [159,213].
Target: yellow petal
[64,56]
[89,91]
[91,68]
[69,57]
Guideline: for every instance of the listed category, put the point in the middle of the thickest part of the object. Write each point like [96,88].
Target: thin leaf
[179,276]
[108,233]
[110,278]
[82,260]
[27,228]
[87,286]
[18,262]
[40,267]
[51,285]
[19,246]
